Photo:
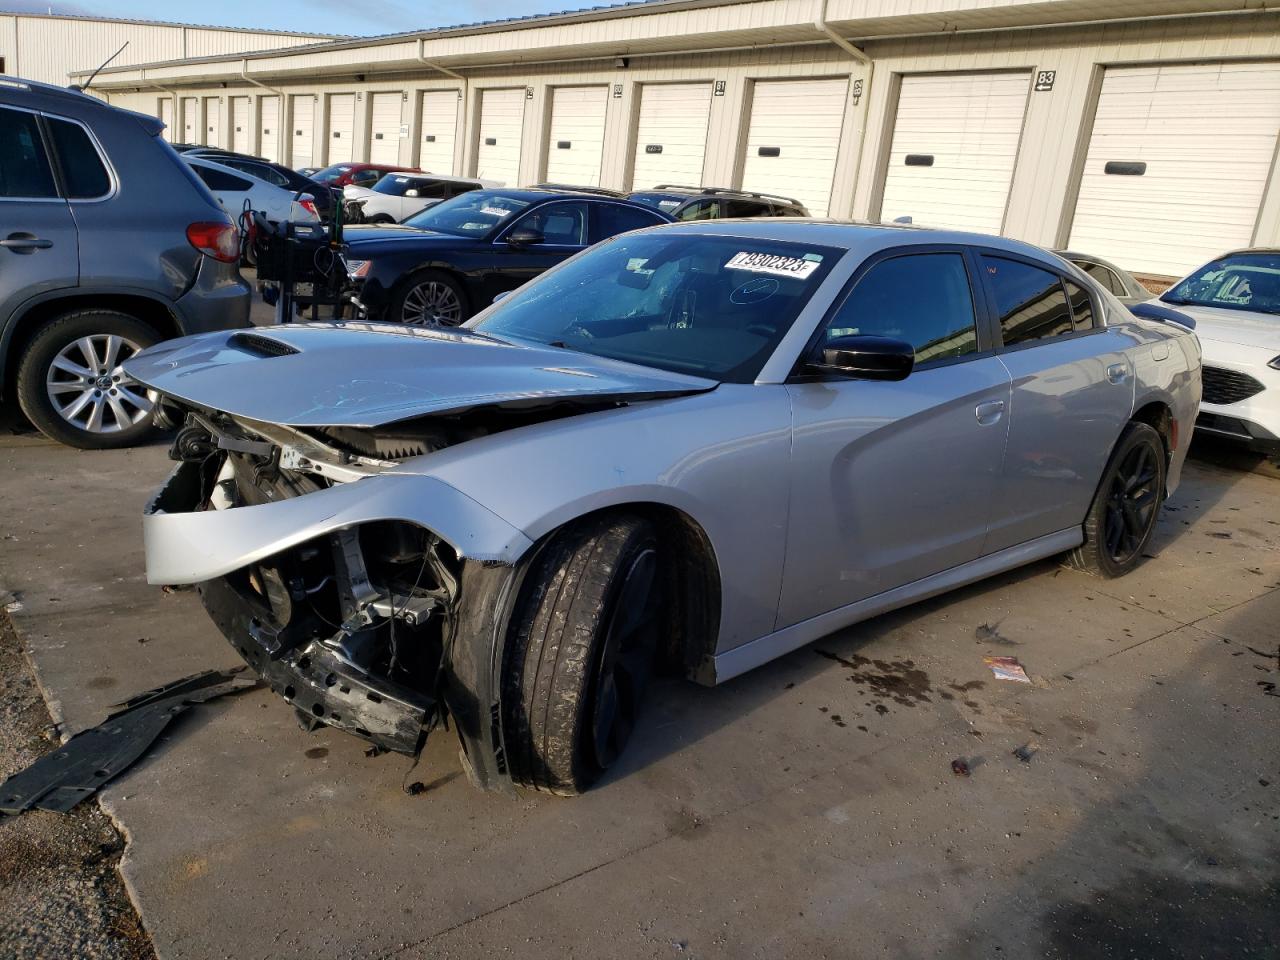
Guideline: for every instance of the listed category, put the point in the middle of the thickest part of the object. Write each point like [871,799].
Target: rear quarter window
[83,172]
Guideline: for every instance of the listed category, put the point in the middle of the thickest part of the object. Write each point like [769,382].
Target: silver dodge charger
[693,448]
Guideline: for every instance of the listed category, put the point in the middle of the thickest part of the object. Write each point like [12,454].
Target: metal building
[1141,130]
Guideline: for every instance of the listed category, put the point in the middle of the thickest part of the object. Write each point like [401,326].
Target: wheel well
[693,582]
[1158,416]
[150,312]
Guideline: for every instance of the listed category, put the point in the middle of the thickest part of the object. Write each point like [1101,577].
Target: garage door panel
[575,145]
[671,135]
[241,132]
[191,120]
[971,127]
[340,135]
[439,130]
[212,123]
[1207,134]
[384,128]
[801,120]
[501,131]
[269,128]
[302,130]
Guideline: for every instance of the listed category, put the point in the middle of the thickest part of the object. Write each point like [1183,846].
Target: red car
[338,175]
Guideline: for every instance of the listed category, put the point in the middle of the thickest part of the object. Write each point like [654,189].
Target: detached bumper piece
[316,679]
[77,769]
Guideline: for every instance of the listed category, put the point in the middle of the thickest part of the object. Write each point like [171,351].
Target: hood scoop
[262,346]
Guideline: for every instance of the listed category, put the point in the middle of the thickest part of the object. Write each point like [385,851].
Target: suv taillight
[217,239]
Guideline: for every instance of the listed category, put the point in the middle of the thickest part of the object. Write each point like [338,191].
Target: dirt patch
[60,890]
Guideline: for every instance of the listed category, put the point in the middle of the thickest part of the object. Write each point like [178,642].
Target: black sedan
[451,260]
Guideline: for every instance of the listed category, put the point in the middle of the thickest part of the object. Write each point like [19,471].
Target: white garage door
[671,139]
[439,128]
[166,117]
[501,127]
[241,131]
[955,144]
[269,128]
[190,120]
[1177,163]
[794,138]
[342,127]
[575,146]
[212,122]
[384,129]
[302,130]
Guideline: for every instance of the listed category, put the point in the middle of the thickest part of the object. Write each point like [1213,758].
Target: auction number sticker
[775,264]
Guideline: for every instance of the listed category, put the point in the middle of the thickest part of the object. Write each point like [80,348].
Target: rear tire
[581,648]
[1122,517]
[71,387]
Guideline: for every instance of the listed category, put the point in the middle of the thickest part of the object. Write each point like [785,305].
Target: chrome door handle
[1117,372]
[25,241]
[989,411]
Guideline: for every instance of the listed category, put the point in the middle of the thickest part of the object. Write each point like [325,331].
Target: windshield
[329,174]
[395,185]
[659,201]
[705,305]
[1241,281]
[471,214]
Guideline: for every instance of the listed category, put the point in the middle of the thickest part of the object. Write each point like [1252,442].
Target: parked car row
[437,250]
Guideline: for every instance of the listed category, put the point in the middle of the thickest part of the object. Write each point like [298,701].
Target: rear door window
[702,210]
[221,180]
[24,166]
[924,299]
[83,172]
[747,208]
[1030,302]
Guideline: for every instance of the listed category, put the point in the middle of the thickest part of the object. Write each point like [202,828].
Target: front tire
[70,383]
[430,298]
[1122,517]
[581,649]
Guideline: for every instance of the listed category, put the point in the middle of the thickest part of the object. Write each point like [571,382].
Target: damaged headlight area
[349,627]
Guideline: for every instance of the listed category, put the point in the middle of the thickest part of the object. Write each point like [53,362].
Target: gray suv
[108,244]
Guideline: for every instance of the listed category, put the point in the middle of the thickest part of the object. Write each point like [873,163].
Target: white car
[1235,302]
[403,193]
[233,187]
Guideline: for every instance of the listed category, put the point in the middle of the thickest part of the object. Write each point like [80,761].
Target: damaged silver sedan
[692,448]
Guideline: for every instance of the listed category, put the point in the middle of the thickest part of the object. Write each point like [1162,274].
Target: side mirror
[411,192]
[524,238]
[866,358]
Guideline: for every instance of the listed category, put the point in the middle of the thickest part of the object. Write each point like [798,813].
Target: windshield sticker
[668,204]
[775,264]
[495,211]
[636,265]
[402,179]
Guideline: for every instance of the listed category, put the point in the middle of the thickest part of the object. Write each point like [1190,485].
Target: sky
[361,17]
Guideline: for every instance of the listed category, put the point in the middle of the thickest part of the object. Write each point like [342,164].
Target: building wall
[48,48]
[1056,123]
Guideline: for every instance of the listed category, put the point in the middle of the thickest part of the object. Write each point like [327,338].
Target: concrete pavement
[807,809]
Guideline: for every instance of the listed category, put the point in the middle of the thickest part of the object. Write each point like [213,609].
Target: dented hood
[367,375]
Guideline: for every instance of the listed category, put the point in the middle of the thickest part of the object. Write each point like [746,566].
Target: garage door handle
[25,241]
[1117,372]
[989,412]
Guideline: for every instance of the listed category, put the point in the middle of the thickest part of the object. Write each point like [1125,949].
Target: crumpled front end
[369,599]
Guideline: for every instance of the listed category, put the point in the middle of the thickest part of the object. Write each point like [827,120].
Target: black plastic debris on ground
[76,770]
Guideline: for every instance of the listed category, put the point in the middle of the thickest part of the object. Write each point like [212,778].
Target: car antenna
[85,86]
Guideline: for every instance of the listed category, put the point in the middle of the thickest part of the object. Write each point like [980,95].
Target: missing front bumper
[316,679]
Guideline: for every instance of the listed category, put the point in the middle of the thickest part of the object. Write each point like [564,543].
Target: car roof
[549,193]
[857,236]
[46,96]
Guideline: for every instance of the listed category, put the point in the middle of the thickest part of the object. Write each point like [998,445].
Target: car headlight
[1274,363]
[357,269]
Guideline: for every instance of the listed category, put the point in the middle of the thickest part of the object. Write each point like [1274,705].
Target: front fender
[183,546]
